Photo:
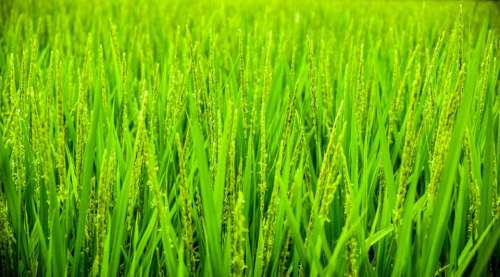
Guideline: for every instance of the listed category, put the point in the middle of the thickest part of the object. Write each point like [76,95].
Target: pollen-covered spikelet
[272,210]
[313,75]
[352,244]
[138,163]
[496,210]
[153,111]
[409,148]
[7,241]
[103,80]
[15,131]
[495,205]
[288,242]
[254,121]
[484,79]
[262,127]
[4,99]
[232,156]
[332,184]
[289,114]
[212,135]
[186,206]
[428,81]
[36,117]
[103,203]
[35,139]
[296,155]
[90,224]
[218,138]
[230,188]
[211,108]
[330,168]
[243,82]
[328,179]
[326,80]
[285,254]
[125,101]
[32,117]
[353,258]
[443,135]
[353,250]
[267,228]
[398,105]
[82,122]
[60,127]
[239,237]
[41,137]
[23,72]
[460,37]
[303,144]
[396,68]
[474,190]
[362,94]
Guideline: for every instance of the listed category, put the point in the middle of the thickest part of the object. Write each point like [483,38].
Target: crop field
[249,138]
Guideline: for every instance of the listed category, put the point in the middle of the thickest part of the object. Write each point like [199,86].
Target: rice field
[238,138]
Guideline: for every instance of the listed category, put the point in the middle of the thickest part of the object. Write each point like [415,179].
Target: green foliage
[173,138]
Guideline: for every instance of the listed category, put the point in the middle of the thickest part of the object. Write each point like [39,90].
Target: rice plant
[237,138]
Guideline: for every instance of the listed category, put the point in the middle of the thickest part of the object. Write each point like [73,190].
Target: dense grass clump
[172,138]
